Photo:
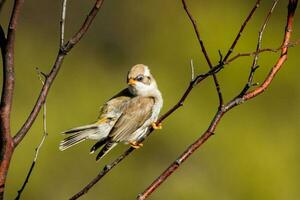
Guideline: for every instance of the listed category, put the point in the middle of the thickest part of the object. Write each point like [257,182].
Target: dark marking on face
[143,79]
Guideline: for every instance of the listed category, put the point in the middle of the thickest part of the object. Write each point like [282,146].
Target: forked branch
[7,52]
[7,44]
[201,43]
[234,102]
[55,69]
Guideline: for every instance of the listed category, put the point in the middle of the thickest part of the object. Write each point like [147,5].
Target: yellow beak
[132,82]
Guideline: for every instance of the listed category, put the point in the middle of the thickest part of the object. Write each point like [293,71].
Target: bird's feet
[101,121]
[135,144]
[156,126]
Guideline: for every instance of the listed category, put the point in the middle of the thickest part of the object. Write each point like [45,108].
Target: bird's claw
[102,121]
[136,145]
[156,126]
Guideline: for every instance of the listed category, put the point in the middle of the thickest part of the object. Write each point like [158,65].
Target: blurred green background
[255,152]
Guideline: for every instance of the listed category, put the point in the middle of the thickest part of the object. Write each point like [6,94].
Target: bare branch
[85,26]
[8,68]
[103,172]
[37,150]
[62,23]
[283,57]
[203,51]
[258,46]
[275,50]
[241,31]
[7,51]
[221,111]
[55,69]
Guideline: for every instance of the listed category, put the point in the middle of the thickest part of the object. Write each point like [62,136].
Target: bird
[125,118]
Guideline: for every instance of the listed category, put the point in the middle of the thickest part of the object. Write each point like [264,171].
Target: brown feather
[135,114]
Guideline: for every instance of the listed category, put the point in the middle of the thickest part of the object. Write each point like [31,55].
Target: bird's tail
[105,150]
[77,135]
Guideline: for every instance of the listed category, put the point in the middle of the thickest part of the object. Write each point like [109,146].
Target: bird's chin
[132,90]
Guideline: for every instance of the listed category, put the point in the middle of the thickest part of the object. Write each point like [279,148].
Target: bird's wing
[114,107]
[137,111]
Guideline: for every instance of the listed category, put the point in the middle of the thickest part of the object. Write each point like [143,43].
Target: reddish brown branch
[221,111]
[187,153]
[7,51]
[55,69]
[255,66]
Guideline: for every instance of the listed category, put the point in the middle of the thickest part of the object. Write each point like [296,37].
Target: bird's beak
[132,82]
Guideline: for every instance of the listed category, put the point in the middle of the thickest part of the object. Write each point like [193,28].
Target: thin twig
[241,31]
[103,172]
[62,23]
[37,150]
[55,69]
[221,111]
[292,44]
[193,21]
[258,46]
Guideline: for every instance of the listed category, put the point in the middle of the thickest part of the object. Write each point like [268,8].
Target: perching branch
[195,81]
[55,69]
[37,150]
[234,102]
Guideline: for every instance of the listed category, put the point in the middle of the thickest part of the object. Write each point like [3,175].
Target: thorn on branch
[255,68]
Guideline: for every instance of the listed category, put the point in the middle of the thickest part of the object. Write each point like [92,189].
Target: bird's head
[141,82]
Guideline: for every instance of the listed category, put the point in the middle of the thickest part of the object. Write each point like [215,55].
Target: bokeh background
[255,152]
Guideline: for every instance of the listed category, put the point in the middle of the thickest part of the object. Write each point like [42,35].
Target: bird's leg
[135,144]
[156,126]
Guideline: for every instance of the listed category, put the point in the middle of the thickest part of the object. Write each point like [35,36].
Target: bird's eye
[140,78]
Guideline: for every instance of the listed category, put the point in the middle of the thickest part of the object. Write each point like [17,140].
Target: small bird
[125,118]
